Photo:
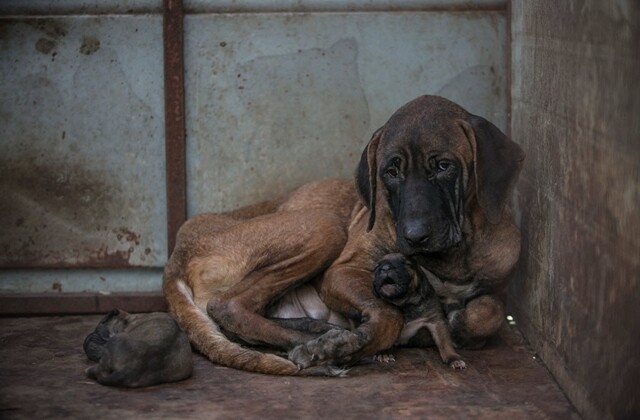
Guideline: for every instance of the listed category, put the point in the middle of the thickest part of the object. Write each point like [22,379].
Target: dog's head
[109,325]
[395,279]
[430,161]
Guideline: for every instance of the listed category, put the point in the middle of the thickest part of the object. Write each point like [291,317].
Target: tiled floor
[42,364]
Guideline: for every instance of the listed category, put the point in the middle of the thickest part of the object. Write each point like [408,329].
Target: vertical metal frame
[173,40]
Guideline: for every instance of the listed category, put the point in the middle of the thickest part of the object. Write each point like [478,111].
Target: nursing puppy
[397,280]
[400,282]
[138,350]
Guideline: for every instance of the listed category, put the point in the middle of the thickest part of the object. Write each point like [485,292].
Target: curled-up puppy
[137,350]
[400,282]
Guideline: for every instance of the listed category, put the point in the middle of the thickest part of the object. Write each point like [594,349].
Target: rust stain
[45,45]
[53,28]
[90,44]
[105,258]
[127,235]
[61,215]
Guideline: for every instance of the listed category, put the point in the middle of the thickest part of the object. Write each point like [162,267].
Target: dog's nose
[416,233]
[385,267]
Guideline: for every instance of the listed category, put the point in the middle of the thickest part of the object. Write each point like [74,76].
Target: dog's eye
[392,172]
[444,165]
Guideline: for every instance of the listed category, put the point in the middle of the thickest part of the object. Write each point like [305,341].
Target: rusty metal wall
[576,111]
[82,181]
[277,93]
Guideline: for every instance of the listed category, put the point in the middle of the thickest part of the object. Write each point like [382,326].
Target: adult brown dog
[432,183]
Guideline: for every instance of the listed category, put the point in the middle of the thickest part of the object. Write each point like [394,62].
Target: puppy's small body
[398,281]
[402,283]
[138,350]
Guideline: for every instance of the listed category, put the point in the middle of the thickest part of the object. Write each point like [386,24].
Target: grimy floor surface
[42,365]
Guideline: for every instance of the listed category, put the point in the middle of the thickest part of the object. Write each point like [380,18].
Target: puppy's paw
[302,356]
[92,372]
[331,371]
[456,362]
[384,357]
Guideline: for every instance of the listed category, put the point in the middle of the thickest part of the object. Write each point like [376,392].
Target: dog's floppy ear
[497,164]
[366,176]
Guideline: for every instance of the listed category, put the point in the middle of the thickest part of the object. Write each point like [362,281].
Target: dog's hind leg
[244,260]
[277,260]
[480,319]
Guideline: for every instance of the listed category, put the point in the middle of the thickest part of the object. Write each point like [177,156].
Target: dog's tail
[205,335]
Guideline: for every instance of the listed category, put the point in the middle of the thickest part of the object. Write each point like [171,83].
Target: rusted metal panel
[275,100]
[79,7]
[86,280]
[174,118]
[270,6]
[15,304]
[575,112]
[59,7]
[82,163]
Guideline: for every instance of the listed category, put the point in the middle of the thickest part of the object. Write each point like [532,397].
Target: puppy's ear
[109,316]
[366,176]
[497,164]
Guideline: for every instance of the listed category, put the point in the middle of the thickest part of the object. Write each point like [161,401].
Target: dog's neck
[364,247]
[456,264]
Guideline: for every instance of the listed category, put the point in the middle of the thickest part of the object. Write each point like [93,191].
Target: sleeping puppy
[402,283]
[138,350]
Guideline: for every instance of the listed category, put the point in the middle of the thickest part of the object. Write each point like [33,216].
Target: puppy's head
[395,279]
[111,324]
[430,161]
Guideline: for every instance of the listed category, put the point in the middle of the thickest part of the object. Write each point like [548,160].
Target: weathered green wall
[278,93]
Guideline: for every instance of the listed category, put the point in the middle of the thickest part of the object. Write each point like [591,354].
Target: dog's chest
[447,291]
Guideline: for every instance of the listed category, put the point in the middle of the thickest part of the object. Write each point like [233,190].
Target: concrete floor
[42,365]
